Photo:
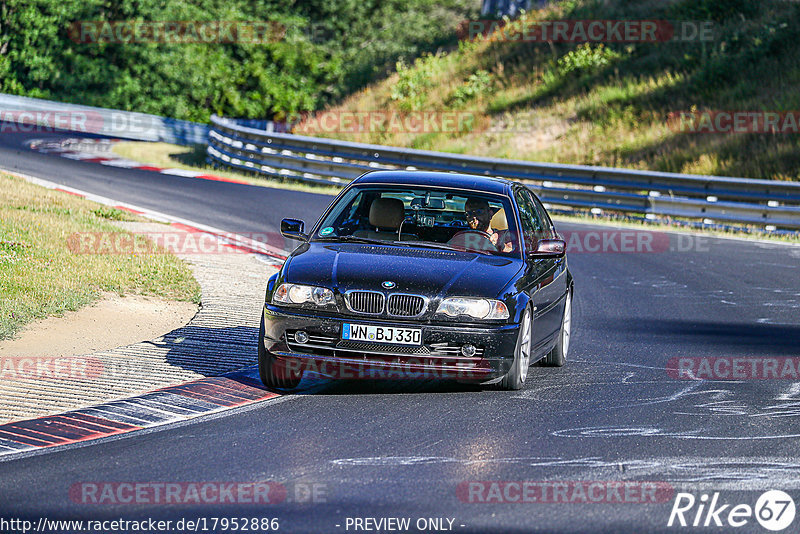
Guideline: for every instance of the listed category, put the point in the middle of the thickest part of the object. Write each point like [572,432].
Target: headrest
[386,213]
[499,221]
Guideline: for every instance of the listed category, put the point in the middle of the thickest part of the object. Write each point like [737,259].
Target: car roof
[488,184]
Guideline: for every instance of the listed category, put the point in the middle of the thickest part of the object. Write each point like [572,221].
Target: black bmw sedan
[420,275]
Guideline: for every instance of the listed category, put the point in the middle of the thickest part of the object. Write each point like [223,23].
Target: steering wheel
[473,240]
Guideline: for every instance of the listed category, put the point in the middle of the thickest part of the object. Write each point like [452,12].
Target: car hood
[428,272]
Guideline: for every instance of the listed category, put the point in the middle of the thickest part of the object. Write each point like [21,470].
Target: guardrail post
[330,161]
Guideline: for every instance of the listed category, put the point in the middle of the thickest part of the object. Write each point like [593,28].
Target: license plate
[382,334]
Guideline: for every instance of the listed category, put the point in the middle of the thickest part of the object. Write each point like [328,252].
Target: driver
[479,217]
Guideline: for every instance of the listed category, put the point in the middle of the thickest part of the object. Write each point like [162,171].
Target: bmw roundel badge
[389,285]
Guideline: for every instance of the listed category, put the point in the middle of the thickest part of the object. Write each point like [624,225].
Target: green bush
[329,50]
[478,84]
[586,59]
[414,82]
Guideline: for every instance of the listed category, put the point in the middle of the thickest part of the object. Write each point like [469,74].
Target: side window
[353,209]
[532,228]
[547,224]
[350,217]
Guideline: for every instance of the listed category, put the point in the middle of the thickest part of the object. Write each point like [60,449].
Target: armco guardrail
[34,114]
[653,194]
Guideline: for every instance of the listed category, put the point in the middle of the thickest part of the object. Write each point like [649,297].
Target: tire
[274,373]
[558,356]
[515,378]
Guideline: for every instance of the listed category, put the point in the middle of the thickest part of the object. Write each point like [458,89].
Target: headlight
[478,308]
[299,294]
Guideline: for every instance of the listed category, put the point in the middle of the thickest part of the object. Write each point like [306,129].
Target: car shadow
[211,351]
[232,352]
[767,339]
[328,386]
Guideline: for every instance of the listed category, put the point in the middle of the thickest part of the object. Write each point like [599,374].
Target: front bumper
[438,357]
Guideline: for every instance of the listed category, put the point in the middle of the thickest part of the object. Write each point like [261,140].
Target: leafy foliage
[611,103]
[477,84]
[413,82]
[328,49]
[586,59]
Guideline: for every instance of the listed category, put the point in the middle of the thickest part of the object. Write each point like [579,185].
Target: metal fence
[33,114]
[251,146]
[654,195]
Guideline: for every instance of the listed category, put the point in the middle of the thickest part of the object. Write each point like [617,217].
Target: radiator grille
[405,305]
[369,302]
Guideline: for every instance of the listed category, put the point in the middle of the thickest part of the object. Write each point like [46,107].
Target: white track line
[235,239]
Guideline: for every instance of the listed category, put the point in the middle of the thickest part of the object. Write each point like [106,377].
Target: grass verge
[41,277]
[607,104]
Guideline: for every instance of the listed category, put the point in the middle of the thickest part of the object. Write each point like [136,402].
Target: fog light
[468,351]
[301,337]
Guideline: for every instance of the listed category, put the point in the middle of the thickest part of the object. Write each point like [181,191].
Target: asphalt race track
[388,449]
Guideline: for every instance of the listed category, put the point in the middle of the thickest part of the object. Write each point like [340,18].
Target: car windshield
[425,217]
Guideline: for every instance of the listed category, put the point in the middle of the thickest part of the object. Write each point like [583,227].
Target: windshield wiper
[367,240]
[354,239]
[442,246]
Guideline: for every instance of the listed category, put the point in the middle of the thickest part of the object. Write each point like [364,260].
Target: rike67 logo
[774,510]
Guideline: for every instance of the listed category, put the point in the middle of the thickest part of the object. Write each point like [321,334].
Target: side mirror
[549,248]
[293,229]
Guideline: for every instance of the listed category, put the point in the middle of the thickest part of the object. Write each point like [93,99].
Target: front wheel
[275,373]
[558,356]
[515,378]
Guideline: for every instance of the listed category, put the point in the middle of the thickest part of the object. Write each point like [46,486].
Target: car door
[557,288]
[544,278]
